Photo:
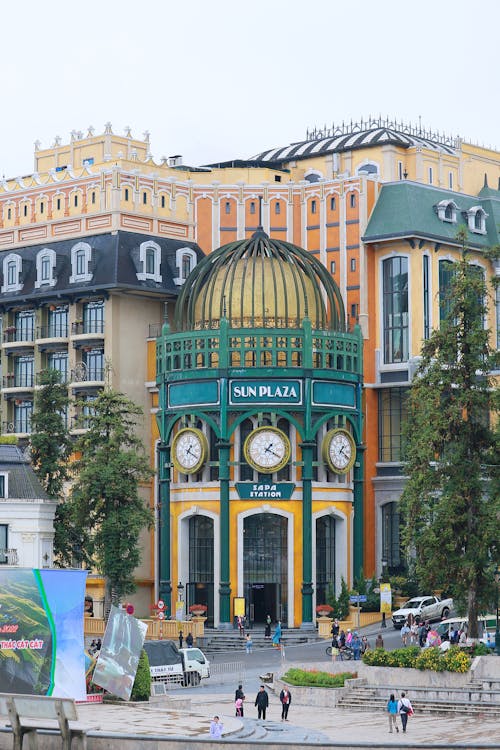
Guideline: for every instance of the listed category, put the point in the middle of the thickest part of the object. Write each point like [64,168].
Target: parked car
[487,626]
[422,608]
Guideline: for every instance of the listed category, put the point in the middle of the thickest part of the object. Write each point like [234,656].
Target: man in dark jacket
[286,699]
[262,702]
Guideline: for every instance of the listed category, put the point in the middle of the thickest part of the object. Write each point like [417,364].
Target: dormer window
[81,256]
[186,260]
[12,265]
[4,485]
[447,211]
[45,266]
[476,219]
[150,258]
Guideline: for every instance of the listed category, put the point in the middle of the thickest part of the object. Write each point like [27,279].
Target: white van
[487,626]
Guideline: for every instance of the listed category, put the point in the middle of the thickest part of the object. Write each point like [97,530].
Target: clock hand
[269,450]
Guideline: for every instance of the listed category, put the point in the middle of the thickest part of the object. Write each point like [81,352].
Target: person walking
[286,699]
[335,628]
[241,626]
[365,645]
[356,646]
[277,635]
[248,644]
[238,704]
[239,695]
[267,631]
[335,648]
[379,641]
[392,710]
[405,632]
[189,640]
[216,727]
[181,638]
[262,702]
[405,709]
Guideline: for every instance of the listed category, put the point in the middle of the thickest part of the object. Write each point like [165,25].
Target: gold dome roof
[259,283]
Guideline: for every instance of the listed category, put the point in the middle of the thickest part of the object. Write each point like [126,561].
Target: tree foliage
[105,512]
[450,513]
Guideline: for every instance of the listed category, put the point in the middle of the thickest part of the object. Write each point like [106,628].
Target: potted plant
[324,610]
[198,610]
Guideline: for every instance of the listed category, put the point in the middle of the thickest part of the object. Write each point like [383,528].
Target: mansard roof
[114,266]
[23,483]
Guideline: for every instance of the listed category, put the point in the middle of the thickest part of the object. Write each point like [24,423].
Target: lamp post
[497,630]
[180,591]
[383,579]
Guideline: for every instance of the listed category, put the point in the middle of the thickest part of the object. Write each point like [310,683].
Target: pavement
[173,716]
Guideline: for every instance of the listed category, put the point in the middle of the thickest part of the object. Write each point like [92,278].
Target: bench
[28,713]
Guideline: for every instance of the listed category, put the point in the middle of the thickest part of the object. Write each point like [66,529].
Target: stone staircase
[473,699]
[230,640]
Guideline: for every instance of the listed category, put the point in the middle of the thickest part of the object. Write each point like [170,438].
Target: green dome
[259,283]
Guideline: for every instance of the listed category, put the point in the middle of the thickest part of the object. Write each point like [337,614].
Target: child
[216,727]
[248,643]
[238,704]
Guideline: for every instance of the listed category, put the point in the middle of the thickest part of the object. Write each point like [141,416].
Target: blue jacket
[392,707]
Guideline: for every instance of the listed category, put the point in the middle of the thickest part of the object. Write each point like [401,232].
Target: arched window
[185,260]
[12,266]
[45,266]
[325,557]
[81,256]
[150,257]
[477,220]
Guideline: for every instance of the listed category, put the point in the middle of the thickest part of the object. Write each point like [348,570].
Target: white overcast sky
[221,79]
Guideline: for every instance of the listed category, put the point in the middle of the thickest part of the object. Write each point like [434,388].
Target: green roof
[409,209]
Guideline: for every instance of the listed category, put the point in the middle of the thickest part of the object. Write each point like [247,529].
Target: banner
[41,632]
[120,651]
[385,598]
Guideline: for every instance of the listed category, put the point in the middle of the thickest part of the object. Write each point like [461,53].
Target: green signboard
[265,490]
[265,392]
[326,393]
[196,393]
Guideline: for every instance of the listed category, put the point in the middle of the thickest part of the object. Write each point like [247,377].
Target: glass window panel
[396,320]
[392,410]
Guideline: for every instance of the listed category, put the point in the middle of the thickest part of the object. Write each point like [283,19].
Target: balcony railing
[17,427]
[18,381]
[63,376]
[8,556]
[13,334]
[83,374]
[53,331]
[80,327]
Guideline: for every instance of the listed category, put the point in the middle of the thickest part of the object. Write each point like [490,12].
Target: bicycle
[345,653]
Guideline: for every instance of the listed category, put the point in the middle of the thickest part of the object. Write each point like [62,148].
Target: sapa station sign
[265,490]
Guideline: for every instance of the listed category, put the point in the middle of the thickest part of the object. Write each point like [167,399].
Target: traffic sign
[160,604]
[161,615]
[129,609]
[357,599]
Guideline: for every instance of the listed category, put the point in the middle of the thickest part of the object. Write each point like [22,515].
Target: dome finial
[259,232]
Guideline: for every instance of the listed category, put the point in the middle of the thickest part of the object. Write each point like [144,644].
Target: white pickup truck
[167,663]
[422,608]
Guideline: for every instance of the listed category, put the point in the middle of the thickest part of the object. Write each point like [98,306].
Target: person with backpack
[405,709]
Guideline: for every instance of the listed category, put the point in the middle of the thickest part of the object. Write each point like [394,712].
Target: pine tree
[450,513]
[106,511]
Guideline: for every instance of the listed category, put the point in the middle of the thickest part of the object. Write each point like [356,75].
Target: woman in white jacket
[405,709]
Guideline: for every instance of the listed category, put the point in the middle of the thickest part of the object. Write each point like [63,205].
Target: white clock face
[189,450]
[267,450]
[340,451]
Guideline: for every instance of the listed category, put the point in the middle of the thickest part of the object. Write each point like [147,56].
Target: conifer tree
[449,506]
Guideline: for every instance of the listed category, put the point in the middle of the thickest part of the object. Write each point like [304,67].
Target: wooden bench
[28,713]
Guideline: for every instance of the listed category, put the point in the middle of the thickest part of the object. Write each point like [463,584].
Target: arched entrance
[200,587]
[265,566]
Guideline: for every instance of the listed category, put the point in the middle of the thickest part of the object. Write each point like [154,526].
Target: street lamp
[180,591]
[497,630]
[383,579]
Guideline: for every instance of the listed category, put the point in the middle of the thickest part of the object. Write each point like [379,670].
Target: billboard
[41,632]
[120,651]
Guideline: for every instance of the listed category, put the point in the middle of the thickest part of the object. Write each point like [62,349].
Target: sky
[225,79]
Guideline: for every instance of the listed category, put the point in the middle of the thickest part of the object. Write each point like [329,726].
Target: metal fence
[220,670]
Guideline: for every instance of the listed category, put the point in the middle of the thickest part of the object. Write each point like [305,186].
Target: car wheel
[445,613]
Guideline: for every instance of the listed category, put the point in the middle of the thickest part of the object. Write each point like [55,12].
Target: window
[45,266]
[277,178]
[353,264]
[58,361]
[227,207]
[368,168]
[9,213]
[446,270]
[41,207]
[447,210]
[24,371]
[354,311]
[75,201]
[126,194]
[4,544]
[425,282]
[58,322]
[450,180]
[144,198]
[325,556]
[93,196]
[476,219]
[150,259]
[430,175]
[25,325]
[58,204]
[400,170]
[88,161]
[163,201]
[252,207]
[277,208]
[395,306]
[333,267]
[391,543]
[22,416]
[25,210]
[497,304]
[333,203]
[12,266]
[81,256]
[352,200]
[185,260]
[314,207]
[94,364]
[392,413]
[93,317]
[3,493]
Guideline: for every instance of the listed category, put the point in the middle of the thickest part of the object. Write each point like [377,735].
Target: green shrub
[454,660]
[142,683]
[8,440]
[304,678]
[342,603]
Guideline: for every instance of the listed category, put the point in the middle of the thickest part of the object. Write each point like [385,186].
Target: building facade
[324,194]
